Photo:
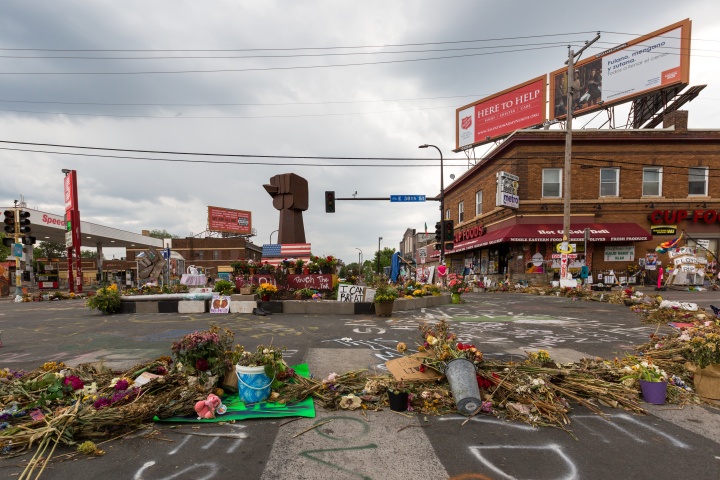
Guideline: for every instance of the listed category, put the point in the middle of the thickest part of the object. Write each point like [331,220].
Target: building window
[199,255]
[216,254]
[461,212]
[609,182]
[652,182]
[698,181]
[447,214]
[551,182]
[478,203]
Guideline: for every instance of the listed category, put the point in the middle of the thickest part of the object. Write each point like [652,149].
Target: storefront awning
[599,232]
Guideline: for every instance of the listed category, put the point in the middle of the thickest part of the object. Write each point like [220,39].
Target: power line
[265,69]
[305,55]
[451,42]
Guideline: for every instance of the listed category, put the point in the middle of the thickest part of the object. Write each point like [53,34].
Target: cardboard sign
[351,293]
[220,304]
[408,369]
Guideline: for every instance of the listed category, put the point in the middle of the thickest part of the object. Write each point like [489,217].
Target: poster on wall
[507,190]
[536,264]
[619,253]
[484,262]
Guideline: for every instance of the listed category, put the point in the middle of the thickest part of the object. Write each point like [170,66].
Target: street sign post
[407,198]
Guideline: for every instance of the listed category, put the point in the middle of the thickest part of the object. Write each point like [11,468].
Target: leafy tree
[4,251]
[385,259]
[50,250]
[88,254]
[162,234]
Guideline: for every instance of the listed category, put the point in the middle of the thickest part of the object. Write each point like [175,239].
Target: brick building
[632,190]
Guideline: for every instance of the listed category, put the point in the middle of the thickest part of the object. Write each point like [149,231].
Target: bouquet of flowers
[204,353]
[644,370]
[444,347]
[386,293]
[456,285]
[241,267]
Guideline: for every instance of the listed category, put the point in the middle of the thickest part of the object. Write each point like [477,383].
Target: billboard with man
[627,71]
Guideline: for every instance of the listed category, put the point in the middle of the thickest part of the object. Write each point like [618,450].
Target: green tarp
[237,410]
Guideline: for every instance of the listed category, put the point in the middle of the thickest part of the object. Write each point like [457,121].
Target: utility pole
[18,272]
[568,136]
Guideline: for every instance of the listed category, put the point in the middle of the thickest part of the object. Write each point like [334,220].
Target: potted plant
[266,290]
[457,287]
[479,286]
[299,263]
[304,293]
[260,371]
[653,380]
[385,296]
[398,396]
[107,300]
[224,287]
[703,354]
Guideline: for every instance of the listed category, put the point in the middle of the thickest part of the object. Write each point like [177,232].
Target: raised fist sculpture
[290,196]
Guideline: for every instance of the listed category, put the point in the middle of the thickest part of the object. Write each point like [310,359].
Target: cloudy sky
[363,82]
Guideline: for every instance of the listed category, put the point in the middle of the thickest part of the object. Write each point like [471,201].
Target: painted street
[668,443]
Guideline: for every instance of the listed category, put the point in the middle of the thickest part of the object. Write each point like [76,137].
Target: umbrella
[395,267]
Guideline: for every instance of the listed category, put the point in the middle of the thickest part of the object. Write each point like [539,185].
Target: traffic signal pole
[18,272]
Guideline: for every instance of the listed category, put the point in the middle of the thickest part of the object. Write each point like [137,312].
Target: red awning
[536,232]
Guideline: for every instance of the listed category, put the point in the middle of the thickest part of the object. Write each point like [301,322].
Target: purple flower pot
[654,392]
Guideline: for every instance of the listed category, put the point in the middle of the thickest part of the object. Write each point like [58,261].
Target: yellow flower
[401,347]
[431,340]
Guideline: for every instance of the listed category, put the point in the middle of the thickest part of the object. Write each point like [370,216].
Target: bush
[224,287]
[107,300]
[386,293]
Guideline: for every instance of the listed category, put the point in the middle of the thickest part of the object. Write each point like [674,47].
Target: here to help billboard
[501,114]
[627,71]
[231,221]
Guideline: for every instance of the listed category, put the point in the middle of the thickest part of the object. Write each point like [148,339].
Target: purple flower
[75,381]
[121,385]
[101,402]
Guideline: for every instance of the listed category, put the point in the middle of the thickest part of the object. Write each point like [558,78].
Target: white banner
[619,254]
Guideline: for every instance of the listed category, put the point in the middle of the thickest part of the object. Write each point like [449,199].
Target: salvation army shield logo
[466,122]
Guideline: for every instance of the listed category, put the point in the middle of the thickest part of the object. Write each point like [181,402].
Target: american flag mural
[274,253]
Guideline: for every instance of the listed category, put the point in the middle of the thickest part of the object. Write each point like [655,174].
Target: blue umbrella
[395,267]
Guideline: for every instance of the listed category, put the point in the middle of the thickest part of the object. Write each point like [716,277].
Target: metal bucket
[462,377]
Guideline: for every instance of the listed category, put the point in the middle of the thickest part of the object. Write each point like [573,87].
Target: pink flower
[76,382]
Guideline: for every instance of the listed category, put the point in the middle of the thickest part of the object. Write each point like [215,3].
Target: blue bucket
[253,384]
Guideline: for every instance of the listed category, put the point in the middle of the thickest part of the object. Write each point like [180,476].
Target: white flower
[644,363]
[266,351]
[684,337]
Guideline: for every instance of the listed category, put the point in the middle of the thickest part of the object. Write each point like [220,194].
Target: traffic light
[449,230]
[28,240]
[24,222]
[8,241]
[438,232]
[10,221]
[329,202]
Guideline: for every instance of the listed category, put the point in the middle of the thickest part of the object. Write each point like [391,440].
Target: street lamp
[274,231]
[359,260]
[378,262]
[442,204]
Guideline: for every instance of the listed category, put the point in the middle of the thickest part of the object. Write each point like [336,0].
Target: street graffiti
[195,441]
[563,466]
[315,454]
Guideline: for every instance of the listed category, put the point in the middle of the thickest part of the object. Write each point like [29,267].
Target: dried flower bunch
[443,346]
[644,370]
[204,353]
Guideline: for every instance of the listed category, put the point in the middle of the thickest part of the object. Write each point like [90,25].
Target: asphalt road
[669,443]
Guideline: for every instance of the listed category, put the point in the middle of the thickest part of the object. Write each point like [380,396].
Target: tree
[4,251]
[50,250]
[88,254]
[385,258]
[162,234]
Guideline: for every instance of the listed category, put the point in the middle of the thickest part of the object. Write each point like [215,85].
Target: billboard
[230,221]
[630,70]
[501,114]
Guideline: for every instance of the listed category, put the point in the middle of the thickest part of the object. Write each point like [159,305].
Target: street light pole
[274,231]
[378,261]
[442,204]
[359,260]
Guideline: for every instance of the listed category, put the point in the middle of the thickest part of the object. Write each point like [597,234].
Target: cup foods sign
[507,190]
